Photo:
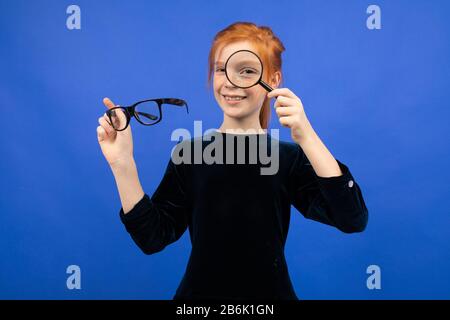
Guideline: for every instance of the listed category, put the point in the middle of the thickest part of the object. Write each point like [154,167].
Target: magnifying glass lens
[244,69]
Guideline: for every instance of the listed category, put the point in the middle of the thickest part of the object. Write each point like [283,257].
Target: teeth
[233,98]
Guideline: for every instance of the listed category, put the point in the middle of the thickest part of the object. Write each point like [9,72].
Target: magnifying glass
[244,69]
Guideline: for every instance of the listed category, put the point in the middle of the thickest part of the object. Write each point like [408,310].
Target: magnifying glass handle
[265,86]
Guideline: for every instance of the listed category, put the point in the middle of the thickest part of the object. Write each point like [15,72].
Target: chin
[234,111]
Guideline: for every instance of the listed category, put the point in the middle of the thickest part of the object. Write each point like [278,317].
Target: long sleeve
[156,222]
[336,201]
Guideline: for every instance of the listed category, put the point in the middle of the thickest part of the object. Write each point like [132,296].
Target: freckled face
[235,102]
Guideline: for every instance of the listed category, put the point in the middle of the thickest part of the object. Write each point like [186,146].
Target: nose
[228,84]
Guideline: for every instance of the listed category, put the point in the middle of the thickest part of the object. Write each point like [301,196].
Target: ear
[275,80]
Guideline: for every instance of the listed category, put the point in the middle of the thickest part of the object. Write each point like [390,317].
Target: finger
[107,119]
[286,121]
[281,92]
[109,130]
[101,134]
[105,116]
[107,102]
[117,118]
[286,111]
[284,102]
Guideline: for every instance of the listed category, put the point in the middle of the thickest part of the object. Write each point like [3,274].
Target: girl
[238,219]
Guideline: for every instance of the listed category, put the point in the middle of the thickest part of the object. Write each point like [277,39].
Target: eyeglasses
[146,112]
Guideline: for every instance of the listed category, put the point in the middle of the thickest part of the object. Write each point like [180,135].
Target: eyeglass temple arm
[148,115]
[176,102]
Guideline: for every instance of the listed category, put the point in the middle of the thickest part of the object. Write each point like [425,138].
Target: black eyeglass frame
[130,111]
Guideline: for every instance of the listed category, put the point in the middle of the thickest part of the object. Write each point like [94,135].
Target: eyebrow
[218,62]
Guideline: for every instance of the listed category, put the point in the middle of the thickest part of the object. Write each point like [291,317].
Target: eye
[248,71]
[220,69]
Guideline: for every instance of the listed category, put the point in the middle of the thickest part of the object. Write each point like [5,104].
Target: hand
[117,146]
[291,114]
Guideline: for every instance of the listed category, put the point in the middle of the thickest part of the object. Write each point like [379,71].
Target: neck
[233,124]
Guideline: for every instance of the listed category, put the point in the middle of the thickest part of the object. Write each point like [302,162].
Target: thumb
[101,134]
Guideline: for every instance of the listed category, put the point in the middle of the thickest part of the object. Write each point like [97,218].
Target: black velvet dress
[238,218]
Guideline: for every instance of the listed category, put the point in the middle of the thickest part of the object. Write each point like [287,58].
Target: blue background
[377,98]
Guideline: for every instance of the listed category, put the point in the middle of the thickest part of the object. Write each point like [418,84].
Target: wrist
[122,163]
[307,134]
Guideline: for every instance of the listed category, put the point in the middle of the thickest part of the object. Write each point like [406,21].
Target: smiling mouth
[233,98]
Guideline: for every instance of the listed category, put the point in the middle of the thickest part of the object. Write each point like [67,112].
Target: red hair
[269,49]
